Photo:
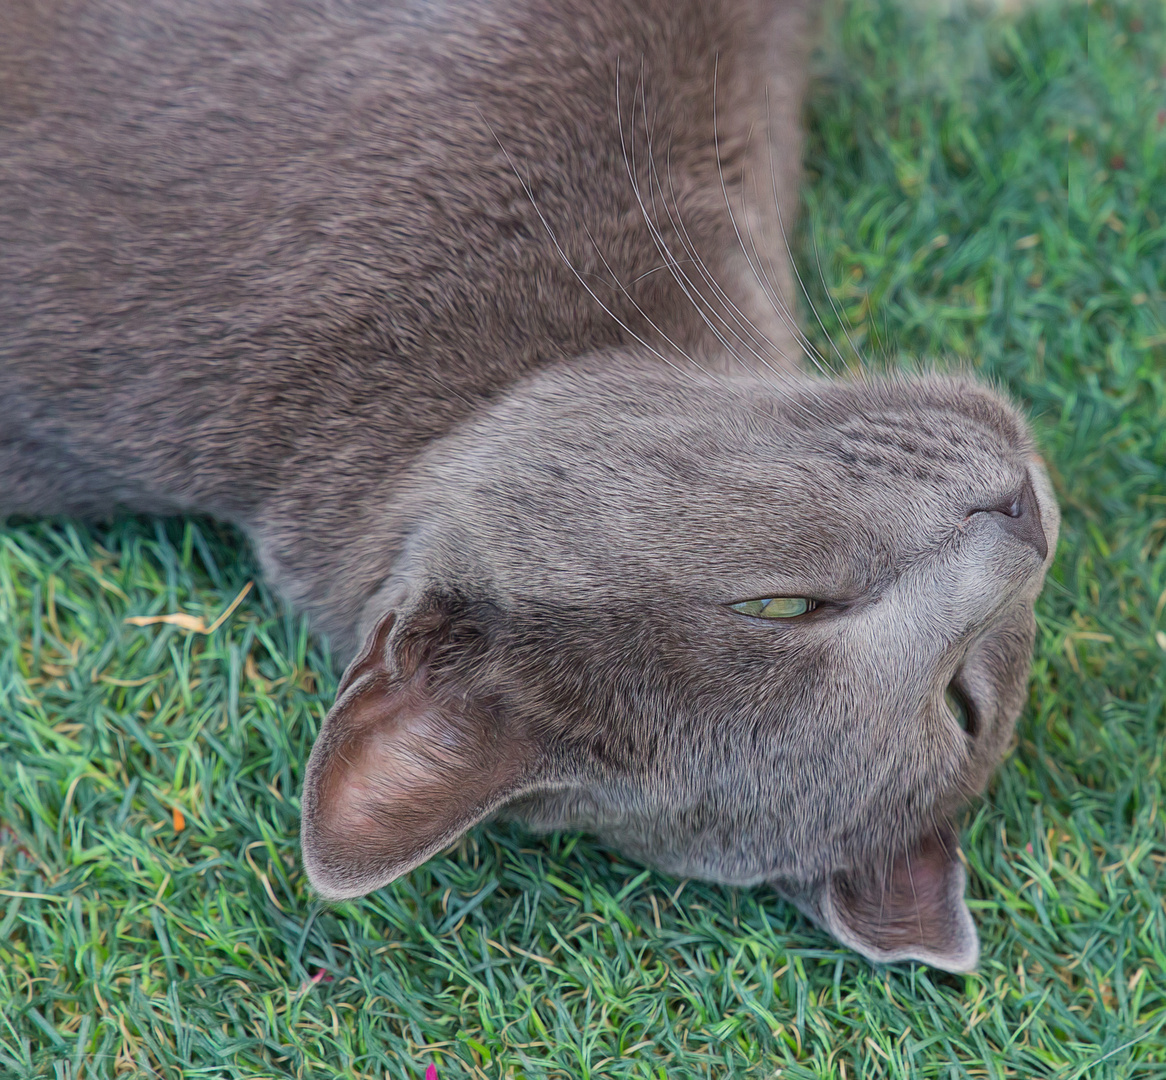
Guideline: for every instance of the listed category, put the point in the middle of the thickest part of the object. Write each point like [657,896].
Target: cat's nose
[1020,517]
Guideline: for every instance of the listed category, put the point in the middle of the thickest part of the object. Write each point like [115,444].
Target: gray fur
[460,310]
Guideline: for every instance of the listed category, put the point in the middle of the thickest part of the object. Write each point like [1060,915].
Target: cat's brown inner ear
[913,910]
[397,774]
[372,657]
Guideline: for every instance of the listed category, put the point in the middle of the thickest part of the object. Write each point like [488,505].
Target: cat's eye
[776,607]
[960,709]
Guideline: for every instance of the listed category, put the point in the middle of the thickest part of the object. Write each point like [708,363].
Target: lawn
[983,186]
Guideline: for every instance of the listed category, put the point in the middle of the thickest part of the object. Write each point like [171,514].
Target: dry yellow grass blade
[194,623]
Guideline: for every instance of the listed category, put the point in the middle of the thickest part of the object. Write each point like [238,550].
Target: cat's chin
[578,810]
[914,911]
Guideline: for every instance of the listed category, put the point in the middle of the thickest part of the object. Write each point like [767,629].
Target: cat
[474,316]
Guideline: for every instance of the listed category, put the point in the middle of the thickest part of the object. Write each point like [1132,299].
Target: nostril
[1019,516]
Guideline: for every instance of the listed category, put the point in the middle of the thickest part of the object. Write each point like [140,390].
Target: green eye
[775,607]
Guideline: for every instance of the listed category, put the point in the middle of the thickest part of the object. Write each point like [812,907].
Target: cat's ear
[408,759]
[912,910]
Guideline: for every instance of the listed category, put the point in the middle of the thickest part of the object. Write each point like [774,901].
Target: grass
[987,186]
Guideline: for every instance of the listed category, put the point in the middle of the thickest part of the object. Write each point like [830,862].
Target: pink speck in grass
[431,1073]
[321,976]
[1028,848]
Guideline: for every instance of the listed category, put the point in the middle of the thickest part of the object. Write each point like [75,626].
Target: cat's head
[749,632]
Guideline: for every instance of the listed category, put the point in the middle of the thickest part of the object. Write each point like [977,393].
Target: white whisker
[732,218]
[739,316]
[888,868]
[690,290]
[775,299]
[789,252]
[665,252]
[915,895]
[833,307]
[647,318]
[571,267]
[657,237]
[647,273]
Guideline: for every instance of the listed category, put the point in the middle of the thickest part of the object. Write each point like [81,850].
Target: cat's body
[245,251]
[413,293]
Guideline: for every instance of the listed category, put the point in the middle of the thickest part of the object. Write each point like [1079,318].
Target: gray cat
[471,314]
